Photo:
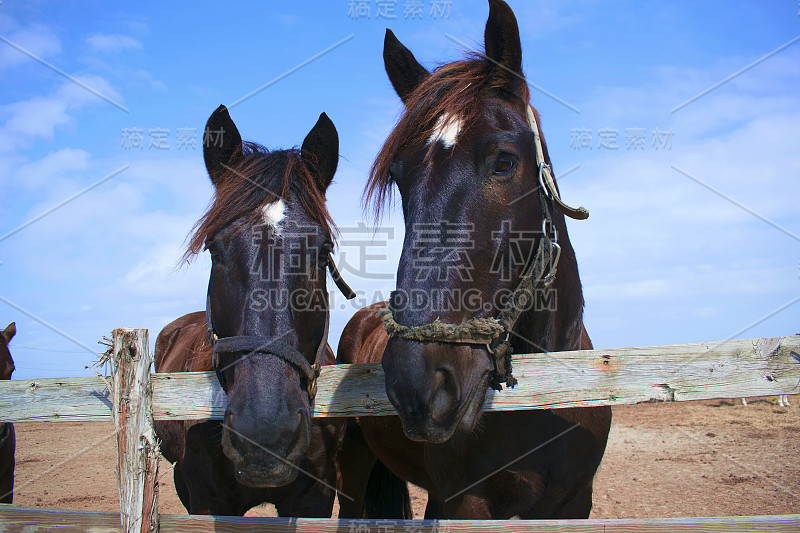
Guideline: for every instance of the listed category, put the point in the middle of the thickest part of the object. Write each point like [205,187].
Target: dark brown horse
[477,279]
[264,331]
[8,440]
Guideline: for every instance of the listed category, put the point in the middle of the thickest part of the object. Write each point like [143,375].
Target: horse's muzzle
[436,388]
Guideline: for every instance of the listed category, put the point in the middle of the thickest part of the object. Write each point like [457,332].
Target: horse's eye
[504,164]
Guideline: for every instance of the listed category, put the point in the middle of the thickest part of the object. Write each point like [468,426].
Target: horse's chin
[262,470]
[261,465]
[278,475]
[428,433]
[428,430]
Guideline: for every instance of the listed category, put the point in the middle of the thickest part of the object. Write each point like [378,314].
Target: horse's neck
[558,329]
[548,331]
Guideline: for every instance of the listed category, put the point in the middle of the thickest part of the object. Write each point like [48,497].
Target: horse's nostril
[442,400]
[440,378]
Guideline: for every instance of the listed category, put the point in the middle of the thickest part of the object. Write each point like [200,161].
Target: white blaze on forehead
[274,213]
[446,130]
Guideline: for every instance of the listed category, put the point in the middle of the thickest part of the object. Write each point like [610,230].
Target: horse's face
[6,362]
[465,242]
[454,266]
[268,281]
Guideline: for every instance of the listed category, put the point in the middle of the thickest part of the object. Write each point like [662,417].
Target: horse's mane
[259,178]
[454,88]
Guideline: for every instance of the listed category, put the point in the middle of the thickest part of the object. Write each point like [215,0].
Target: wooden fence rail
[29,520]
[731,369]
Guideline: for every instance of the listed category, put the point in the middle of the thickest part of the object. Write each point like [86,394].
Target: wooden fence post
[137,449]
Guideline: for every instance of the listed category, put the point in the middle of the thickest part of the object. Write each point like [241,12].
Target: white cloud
[40,116]
[113,43]
[36,39]
[41,173]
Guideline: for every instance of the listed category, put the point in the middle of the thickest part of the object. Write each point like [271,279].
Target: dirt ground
[710,458]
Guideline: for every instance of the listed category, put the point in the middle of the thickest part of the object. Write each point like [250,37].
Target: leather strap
[279,348]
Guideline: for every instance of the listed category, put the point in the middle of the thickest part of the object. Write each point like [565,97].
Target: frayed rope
[473,331]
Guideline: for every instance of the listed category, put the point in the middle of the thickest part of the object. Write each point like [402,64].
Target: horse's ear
[403,69]
[222,144]
[321,151]
[501,40]
[10,331]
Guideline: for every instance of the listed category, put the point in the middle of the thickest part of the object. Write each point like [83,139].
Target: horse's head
[270,238]
[6,362]
[464,160]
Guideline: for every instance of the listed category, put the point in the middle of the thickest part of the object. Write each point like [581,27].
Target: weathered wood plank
[22,519]
[16,519]
[681,372]
[55,399]
[137,449]
[753,367]
[772,524]
[732,369]
[208,400]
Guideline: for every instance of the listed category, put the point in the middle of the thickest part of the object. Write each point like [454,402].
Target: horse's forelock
[260,178]
[453,90]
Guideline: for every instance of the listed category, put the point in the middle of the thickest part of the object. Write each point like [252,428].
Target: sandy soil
[710,458]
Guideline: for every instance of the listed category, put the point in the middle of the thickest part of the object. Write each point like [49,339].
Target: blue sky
[693,234]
